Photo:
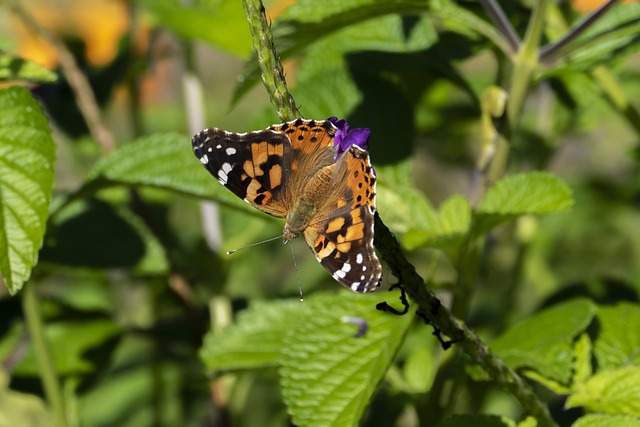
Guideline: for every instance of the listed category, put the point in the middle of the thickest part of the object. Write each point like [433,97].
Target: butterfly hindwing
[252,165]
[343,239]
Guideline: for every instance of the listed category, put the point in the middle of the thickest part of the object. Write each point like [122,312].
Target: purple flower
[345,139]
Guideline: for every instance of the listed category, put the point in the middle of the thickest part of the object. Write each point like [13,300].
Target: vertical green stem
[269,60]
[524,64]
[44,357]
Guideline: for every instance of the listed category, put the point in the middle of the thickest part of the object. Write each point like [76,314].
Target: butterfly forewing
[252,165]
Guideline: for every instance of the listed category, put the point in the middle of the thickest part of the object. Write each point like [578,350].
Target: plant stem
[615,94]
[42,350]
[269,60]
[548,52]
[76,79]
[501,22]
[524,64]
[444,321]
[388,246]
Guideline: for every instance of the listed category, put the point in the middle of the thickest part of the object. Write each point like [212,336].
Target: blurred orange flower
[584,6]
[99,23]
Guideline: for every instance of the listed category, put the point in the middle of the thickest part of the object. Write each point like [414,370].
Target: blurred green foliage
[150,323]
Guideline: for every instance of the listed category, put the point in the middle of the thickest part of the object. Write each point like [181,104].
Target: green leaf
[582,366]
[399,203]
[476,421]
[309,22]
[618,343]
[163,161]
[610,40]
[221,23]
[612,391]
[324,86]
[254,340]
[523,194]
[20,409]
[544,342]
[462,21]
[125,241]
[602,420]
[70,341]
[453,222]
[27,155]
[329,373]
[14,68]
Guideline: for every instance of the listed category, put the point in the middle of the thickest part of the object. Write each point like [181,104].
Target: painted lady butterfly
[300,171]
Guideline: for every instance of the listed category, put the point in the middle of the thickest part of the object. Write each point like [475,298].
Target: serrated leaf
[226,18]
[602,420]
[27,155]
[523,194]
[329,372]
[14,68]
[544,342]
[162,161]
[618,343]
[582,365]
[614,391]
[453,222]
[254,340]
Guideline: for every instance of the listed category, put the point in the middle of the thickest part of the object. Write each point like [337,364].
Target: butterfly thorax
[305,208]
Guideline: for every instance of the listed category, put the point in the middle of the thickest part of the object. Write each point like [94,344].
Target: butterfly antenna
[255,244]
[295,265]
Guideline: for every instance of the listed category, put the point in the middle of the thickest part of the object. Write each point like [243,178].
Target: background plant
[499,114]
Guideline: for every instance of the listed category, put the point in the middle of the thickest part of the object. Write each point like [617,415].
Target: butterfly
[299,171]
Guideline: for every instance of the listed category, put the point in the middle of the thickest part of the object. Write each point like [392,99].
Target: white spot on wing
[355,286]
[231,151]
[223,173]
[339,274]
[218,146]
[359,259]
[204,159]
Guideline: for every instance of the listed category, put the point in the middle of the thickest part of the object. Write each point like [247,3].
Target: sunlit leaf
[604,420]
[330,365]
[27,154]
[534,193]
[544,342]
[222,24]
[15,68]
[453,221]
[162,161]
[614,391]
[618,343]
